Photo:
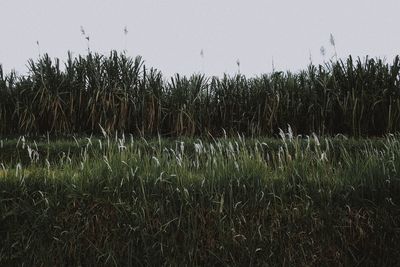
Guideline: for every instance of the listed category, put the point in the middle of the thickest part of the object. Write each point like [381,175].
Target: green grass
[122,201]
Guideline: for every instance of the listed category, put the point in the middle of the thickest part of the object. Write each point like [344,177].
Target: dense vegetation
[353,97]
[123,201]
[171,177]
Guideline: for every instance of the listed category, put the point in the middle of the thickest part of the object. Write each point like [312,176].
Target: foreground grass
[118,201]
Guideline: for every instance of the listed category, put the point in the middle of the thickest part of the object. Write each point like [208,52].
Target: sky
[259,34]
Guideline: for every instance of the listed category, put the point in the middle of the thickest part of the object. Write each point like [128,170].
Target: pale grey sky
[170,34]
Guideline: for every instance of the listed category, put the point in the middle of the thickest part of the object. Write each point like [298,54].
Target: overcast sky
[170,35]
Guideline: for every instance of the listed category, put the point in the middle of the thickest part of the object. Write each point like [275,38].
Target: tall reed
[353,97]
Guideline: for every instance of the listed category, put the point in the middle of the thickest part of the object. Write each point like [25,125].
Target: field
[118,200]
[106,163]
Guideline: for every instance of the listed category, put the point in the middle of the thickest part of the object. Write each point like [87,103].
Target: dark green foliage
[120,94]
[235,202]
